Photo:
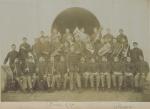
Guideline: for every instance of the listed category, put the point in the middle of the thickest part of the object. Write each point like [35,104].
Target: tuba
[105,49]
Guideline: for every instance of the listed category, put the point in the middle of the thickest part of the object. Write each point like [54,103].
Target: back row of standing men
[78,60]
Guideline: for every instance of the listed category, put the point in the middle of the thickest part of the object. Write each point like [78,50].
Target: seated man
[117,76]
[83,70]
[58,76]
[129,70]
[105,70]
[142,69]
[42,74]
[30,76]
[94,72]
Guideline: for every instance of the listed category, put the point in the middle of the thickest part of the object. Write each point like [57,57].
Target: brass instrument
[125,51]
[105,49]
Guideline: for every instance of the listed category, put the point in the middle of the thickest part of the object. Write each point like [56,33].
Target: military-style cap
[13,45]
[24,38]
[135,43]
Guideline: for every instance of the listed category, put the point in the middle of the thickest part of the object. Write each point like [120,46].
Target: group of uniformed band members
[76,60]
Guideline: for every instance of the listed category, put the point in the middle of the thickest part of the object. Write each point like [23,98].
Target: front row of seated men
[98,74]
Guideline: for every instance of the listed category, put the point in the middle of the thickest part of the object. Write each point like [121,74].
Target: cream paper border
[77,105]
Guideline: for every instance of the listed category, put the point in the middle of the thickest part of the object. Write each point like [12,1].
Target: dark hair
[13,45]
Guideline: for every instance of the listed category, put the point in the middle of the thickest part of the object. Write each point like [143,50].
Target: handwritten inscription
[123,106]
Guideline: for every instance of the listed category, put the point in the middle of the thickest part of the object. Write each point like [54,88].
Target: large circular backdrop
[75,17]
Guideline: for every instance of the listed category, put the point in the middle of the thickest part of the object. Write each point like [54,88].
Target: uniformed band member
[108,37]
[142,69]
[122,38]
[11,78]
[105,73]
[129,71]
[94,72]
[136,53]
[78,60]
[83,71]
[42,74]
[73,58]
[117,76]
[11,56]
[30,74]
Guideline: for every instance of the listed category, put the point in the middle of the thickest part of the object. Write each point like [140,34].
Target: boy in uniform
[83,68]
[19,74]
[60,69]
[129,71]
[11,57]
[142,69]
[24,49]
[105,70]
[42,74]
[117,69]
[73,58]
[94,72]
[30,73]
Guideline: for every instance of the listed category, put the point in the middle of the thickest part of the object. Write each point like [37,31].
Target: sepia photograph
[75,51]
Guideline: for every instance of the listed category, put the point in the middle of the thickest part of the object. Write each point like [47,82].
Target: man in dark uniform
[123,41]
[108,37]
[19,75]
[136,53]
[67,36]
[60,69]
[42,34]
[42,74]
[50,72]
[24,50]
[129,70]
[96,35]
[94,73]
[142,70]
[11,78]
[73,67]
[122,38]
[105,70]
[83,68]
[117,69]
[116,48]
[30,73]
[43,47]
[11,56]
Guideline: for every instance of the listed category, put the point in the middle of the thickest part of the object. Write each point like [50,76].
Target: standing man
[116,48]
[96,35]
[67,36]
[122,38]
[136,53]
[24,49]
[108,37]
[11,56]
